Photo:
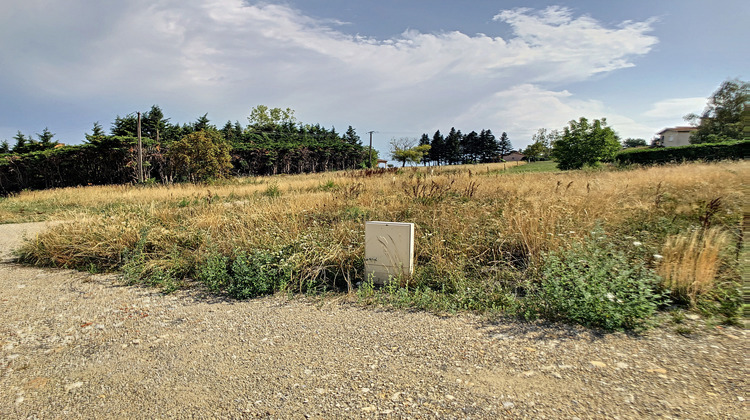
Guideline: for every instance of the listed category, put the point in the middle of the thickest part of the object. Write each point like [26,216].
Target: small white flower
[611,297]
[658,257]
[636,243]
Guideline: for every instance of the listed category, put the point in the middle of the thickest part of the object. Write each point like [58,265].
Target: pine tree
[153,124]
[453,146]
[45,139]
[503,145]
[488,149]
[203,123]
[97,134]
[351,137]
[470,147]
[425,141]
[438,148]
[21,144]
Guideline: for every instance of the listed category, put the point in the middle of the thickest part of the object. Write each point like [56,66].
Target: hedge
[708,151]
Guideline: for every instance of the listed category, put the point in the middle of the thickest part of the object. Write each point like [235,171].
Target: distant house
[513,156]
[676,136]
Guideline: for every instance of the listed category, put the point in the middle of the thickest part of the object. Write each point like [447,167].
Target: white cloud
[676,108]
[225,56]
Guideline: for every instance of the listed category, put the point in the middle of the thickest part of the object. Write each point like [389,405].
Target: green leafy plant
[595,285]
[246,275]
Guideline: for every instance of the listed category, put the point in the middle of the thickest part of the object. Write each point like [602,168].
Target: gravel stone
[76,345]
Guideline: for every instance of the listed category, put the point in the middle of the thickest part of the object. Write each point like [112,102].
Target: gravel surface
[74,345]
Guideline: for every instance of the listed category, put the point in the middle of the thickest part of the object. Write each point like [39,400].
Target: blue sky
[400,68]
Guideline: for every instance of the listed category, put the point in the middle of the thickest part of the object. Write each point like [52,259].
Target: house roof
[678,129]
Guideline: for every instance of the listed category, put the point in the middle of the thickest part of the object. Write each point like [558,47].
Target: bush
[595,285]
[708,151]
[247,275]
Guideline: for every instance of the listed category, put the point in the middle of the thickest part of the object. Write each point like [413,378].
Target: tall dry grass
[691,262]
[468,218]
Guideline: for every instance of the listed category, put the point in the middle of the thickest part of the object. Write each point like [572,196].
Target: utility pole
[369,161]
[140,152]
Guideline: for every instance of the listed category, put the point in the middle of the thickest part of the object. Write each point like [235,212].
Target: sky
[399,68]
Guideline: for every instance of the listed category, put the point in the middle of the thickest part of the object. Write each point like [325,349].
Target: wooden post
[140,151]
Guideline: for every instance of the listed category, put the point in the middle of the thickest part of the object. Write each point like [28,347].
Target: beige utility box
[389,250]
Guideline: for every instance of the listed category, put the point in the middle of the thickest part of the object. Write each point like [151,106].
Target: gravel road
[74,345]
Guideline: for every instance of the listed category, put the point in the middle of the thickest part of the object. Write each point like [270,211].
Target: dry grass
[468,218]
[691,262]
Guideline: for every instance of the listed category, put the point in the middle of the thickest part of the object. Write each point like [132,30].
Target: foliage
[112,159]
[722,119]
[246,275]
[631,142]
[200,156]
[707,152]
[585,144]
[504,145]
[264,118]
[404,150]
[540,148]
[594,284]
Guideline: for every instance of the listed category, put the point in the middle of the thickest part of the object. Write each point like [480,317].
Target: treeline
[272,143]
[458,148]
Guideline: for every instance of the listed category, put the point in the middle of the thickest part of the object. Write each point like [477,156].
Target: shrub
[595,285]
[709,151]
[247,275]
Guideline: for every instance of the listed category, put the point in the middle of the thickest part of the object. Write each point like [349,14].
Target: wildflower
[611,297]
[658,257]
[637,243]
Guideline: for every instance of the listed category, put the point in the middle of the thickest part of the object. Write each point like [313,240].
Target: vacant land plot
[603,248]
[76,345]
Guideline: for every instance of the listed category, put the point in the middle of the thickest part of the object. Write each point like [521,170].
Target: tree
[540,148]
[425,141]
[232,132]
[535,151]
[203,123]
[452,151]
[97,135]
[471,147]
[45,139]
[721,120]
[585,144]
[263,118]
[126,126]
[153,124]
[351,137]
[404,150]
[21,143]
[374,161]
[4,147]
[488,149]
[438,147]
[504,146]
[200,156]
[630,142]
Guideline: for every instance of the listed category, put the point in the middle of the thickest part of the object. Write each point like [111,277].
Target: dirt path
[73,345]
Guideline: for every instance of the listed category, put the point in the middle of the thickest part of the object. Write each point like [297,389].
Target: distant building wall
[677,136]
